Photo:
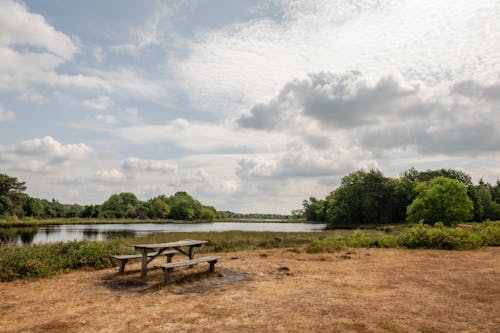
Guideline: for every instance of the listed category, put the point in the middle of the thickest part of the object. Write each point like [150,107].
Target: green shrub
[49,259]
[439,237]
[359,239]
[489,233]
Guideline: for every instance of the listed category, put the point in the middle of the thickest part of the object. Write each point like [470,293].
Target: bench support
[169,267]
[124,258]
[123,262]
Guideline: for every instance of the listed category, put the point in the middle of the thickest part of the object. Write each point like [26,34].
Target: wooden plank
[189,262]
[185,242]
[137,256]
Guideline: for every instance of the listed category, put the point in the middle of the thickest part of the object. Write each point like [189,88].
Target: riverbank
[278,290]
[49,259]
[32,222]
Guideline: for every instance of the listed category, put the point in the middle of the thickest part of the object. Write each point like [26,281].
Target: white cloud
[344,101]
[20,27]
[43,154]
[139,165]
[112,176]
[199,136]
[384,114]
[131,82]
[99,103]
[49,147]
[6,115]
[106,118]
[33,96]
[303,162]
[426,40]
[31,50]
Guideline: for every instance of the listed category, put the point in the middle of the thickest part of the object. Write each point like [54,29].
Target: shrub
[489,233]
[439,237]
[49,259]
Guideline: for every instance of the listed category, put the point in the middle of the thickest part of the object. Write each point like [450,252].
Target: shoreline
[61,221]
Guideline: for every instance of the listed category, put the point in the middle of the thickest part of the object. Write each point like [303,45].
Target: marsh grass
[48,259]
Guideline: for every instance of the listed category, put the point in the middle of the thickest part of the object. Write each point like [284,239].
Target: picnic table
[185,247]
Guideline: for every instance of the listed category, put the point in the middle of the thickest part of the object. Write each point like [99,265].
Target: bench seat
[168,267]
[124,258]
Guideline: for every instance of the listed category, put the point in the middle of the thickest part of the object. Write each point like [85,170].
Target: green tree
[158,207]
[440,200]
[314,209]
[184,207]
[208,213]
[366,198]
[415,176]
[491,209]
[11,197]
[34,207]
[120,205]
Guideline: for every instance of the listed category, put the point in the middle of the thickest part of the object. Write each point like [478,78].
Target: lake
[69,232]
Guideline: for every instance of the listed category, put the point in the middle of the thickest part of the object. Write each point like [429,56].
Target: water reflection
[120,233]
[69,232]
[90,233]
[28,236]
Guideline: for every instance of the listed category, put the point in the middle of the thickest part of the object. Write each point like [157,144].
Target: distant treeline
[180,206]
[252,216]
[370,198]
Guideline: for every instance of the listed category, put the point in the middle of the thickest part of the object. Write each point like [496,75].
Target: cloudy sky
[249,106]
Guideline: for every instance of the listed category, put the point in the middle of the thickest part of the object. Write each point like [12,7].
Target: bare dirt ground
[357,290]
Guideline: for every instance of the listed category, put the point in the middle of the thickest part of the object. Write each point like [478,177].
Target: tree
[208,213]
[490,209]
[120,205]
[415,176]
[314,209]
[158,207]
[440,200]
[11,197]
[184,207]
[366,198]
[34,207]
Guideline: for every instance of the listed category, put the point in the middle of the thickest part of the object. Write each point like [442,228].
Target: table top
[184,242]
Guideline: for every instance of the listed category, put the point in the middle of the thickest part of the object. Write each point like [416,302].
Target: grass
[44,260]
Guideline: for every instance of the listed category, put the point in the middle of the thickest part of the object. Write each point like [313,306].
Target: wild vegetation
[370,198]
[48,259]
[15,204]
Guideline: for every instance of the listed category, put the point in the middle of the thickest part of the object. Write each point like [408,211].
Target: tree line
[180,206]
[252,216]
[370,198]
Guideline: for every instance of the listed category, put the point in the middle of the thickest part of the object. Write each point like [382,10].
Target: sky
[249,106]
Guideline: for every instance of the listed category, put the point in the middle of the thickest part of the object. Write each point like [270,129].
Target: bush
[49,259]
[439,237]
[489,233]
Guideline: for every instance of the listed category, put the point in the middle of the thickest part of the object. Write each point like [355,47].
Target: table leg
[191,252]
[144,267]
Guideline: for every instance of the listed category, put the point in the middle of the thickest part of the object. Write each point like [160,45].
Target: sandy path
[361,290]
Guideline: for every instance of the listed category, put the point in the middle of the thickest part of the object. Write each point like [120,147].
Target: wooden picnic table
[160,247]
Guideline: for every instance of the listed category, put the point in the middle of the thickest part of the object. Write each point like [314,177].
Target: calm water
[69,232]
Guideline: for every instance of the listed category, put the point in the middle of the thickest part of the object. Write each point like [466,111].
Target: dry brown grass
[361,290]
